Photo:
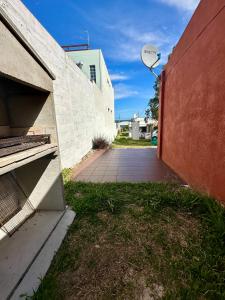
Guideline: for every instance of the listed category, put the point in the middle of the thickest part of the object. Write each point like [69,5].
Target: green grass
[122,140]
[131,240]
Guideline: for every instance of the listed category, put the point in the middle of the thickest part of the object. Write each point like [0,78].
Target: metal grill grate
[11,226]
[17,144]
[9,198]
[14,205]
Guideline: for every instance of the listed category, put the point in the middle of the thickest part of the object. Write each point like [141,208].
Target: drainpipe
[161,113]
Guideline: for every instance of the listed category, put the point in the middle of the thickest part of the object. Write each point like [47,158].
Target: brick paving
[127,165]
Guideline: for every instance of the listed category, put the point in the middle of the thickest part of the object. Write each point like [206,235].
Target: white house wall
[81,108]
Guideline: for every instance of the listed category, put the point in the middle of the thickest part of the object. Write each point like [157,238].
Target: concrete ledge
[27,255]
[20,159]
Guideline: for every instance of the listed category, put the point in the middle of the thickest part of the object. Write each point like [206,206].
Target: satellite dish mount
[150,58]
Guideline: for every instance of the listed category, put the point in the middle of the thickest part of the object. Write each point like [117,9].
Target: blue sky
[120,28]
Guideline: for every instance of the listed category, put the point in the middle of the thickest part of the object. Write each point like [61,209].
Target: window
[93,73]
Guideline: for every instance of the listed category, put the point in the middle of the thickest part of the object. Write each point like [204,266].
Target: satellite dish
[150,56]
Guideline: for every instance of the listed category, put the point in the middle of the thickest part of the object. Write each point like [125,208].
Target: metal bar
[13,141]
[18,148]
[4,229]
[75,46]
[23,191]
[156,76]
[74,50]
[159,57]
[151,68]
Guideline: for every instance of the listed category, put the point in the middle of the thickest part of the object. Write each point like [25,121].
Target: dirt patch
[138,241]
[78,195]
[188,228]
[123,258]
[104,216]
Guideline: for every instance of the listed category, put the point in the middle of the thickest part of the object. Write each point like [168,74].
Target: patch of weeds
[111,206]
[47,290]
[100,143]
[66,259]
[118,233]
[92,263]
[149,251]
[136,240]
[66,174]
[160,238]
[123,140]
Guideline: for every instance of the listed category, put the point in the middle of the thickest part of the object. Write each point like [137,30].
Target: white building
[140,128]
[92,64]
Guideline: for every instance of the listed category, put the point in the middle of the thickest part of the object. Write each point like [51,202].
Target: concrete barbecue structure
[30,170]
[47,106]
[83,110]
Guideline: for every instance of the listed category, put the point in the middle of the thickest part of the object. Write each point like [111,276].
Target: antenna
[150,58]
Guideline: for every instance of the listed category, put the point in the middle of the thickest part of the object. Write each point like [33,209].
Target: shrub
[99,143]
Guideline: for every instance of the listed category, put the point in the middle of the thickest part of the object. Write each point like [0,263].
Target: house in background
[138,127]
[92,64]
[141,128]
[122,125]
[98,99]
[145,127]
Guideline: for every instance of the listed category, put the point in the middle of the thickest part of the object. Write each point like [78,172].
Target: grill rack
[13,145]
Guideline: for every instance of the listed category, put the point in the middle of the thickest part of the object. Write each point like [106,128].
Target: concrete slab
[26,256]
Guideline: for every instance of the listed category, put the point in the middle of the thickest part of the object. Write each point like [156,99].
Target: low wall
[81,108]
[193,102]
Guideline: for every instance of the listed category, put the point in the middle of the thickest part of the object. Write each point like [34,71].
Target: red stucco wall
[193,105]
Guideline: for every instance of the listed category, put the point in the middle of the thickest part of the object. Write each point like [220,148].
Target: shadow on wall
[41,189]
[20,107]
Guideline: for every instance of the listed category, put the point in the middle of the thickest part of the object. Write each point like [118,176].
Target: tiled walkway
[127,165]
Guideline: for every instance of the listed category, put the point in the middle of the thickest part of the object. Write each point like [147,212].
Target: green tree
[153,106]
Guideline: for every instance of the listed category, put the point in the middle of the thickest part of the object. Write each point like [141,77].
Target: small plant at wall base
[99,143]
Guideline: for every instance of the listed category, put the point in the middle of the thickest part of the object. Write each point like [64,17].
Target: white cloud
[142,35]
[118,77]
[129,33]
[123,91]
[131,40]
[188,5]
[127,51]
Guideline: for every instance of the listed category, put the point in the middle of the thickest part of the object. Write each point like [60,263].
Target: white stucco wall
[81,108]
[93,57]
[88,57]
